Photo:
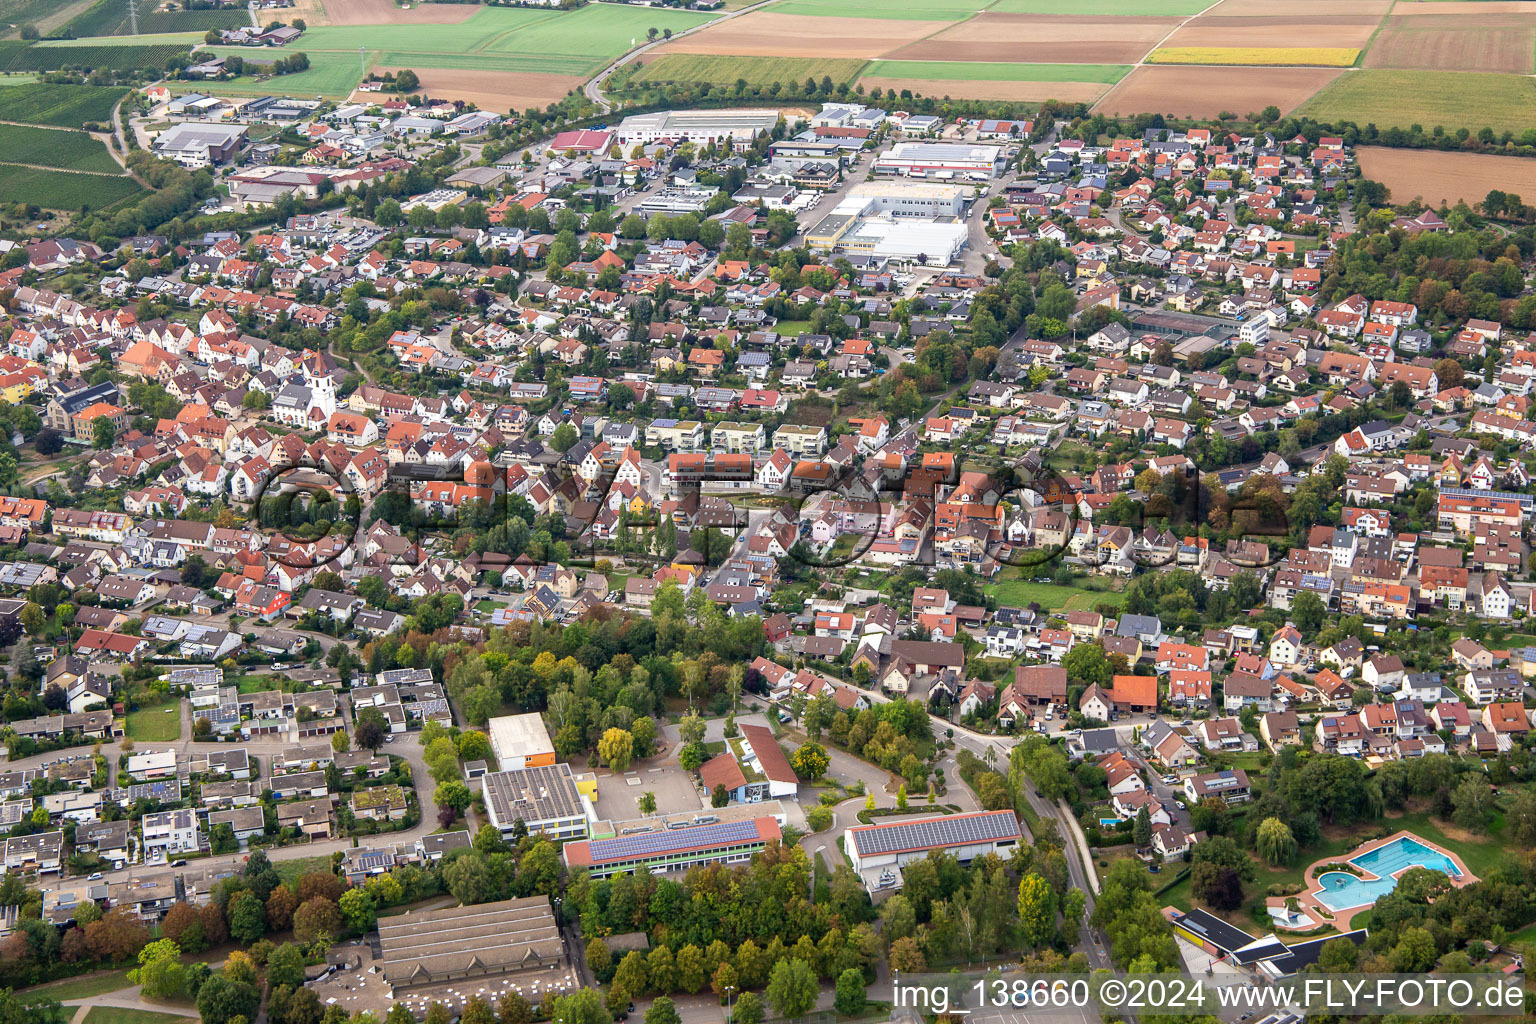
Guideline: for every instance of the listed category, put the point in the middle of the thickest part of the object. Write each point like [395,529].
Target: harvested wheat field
[1446,177]
[1473,42]
[1461,9]
[1021,92]
[767,34]
[1197,92]
[1042,38]
[500,91]
[1258,56]
[1336,31]
[384,12]
[1301,8]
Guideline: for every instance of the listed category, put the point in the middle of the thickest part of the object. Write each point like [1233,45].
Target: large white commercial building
[867,225]
[200,145]
[911,198]
[926,159]
[700,127]
[521,741]
[878,852]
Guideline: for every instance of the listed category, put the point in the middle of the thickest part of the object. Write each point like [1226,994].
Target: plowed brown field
[1201,92]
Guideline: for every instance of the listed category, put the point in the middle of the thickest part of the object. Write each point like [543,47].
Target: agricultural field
[1025,83]
[1446,177]
[110,18]
[492,90]
[1470,41]
[772,33]
[89,53]
[1336,31]
[1040,38]
[44,15]
[65,106]
[64,190]
[55,147]
[1104,8]
[1450,98]
[901,10]
[329,74]
[1257,56]
[725,71]
[1204,92]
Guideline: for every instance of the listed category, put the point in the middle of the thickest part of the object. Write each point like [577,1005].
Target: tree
[359,909]
[1142,828]
[1338,956]
[647,802]
[810,761]
[1037,910]
[1086,664]
[850,992]
[792,988]
[281,903]
[906,955]
[247,922]
[662,1011]
[564,437]
[406,81]
[221,1000]
[103,432]
[1472,803]
[285,966]
[1220,887]
[370,735]
[748,1010]
[616,748]
[1307,612]
[1274,842]
[453,794]
[160,974]
[48,441]
[1415,951]
[315,918]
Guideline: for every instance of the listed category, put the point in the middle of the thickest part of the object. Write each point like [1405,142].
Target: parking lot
[618,796]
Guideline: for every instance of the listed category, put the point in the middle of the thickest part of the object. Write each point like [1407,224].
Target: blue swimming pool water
[1339,890]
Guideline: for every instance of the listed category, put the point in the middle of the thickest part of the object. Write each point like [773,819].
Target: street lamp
[728,990]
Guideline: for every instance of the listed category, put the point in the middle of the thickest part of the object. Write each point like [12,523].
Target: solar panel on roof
[955,831]
[658,843]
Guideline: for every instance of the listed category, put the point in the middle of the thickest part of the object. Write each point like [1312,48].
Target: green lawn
[26,78]
[896,10]
[154,725]
[791,328]
[1451,99]
[83,987]
[974,71]
[294,868]
[122,1015]
[1051,596]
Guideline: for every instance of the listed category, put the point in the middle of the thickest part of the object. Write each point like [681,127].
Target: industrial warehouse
[905,221]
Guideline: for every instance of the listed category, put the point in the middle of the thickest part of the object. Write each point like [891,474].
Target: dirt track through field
[1042,38]
[1473,42]
[499,91]
[384,12]
[1447,177]
[1023,92]
[1204,92]
[767,34]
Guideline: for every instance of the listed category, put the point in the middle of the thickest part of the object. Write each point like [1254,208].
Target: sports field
[1451,99]
[725,71]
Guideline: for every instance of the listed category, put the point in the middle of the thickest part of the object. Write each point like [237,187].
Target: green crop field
[26,78]
[972,71]
[686,67]
[473,34]
[67,106]
[597,32]
[89,54]
[1452,99]
[182,40]
[43,15]
[329,74]
[53,147]
[62,190]
[110,18]
[1116,8]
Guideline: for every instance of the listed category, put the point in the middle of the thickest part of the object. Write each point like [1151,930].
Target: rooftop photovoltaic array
[956,830]
[673,841]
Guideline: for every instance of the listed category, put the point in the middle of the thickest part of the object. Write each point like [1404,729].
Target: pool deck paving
[1318,912]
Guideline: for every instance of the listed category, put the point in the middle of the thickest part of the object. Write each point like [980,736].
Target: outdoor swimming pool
[1339,890]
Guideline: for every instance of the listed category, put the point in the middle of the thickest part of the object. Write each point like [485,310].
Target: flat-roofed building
[879,851]
[922,159]
[701,127]
[544,798]
[661,848]
[521,741]
[464,943]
